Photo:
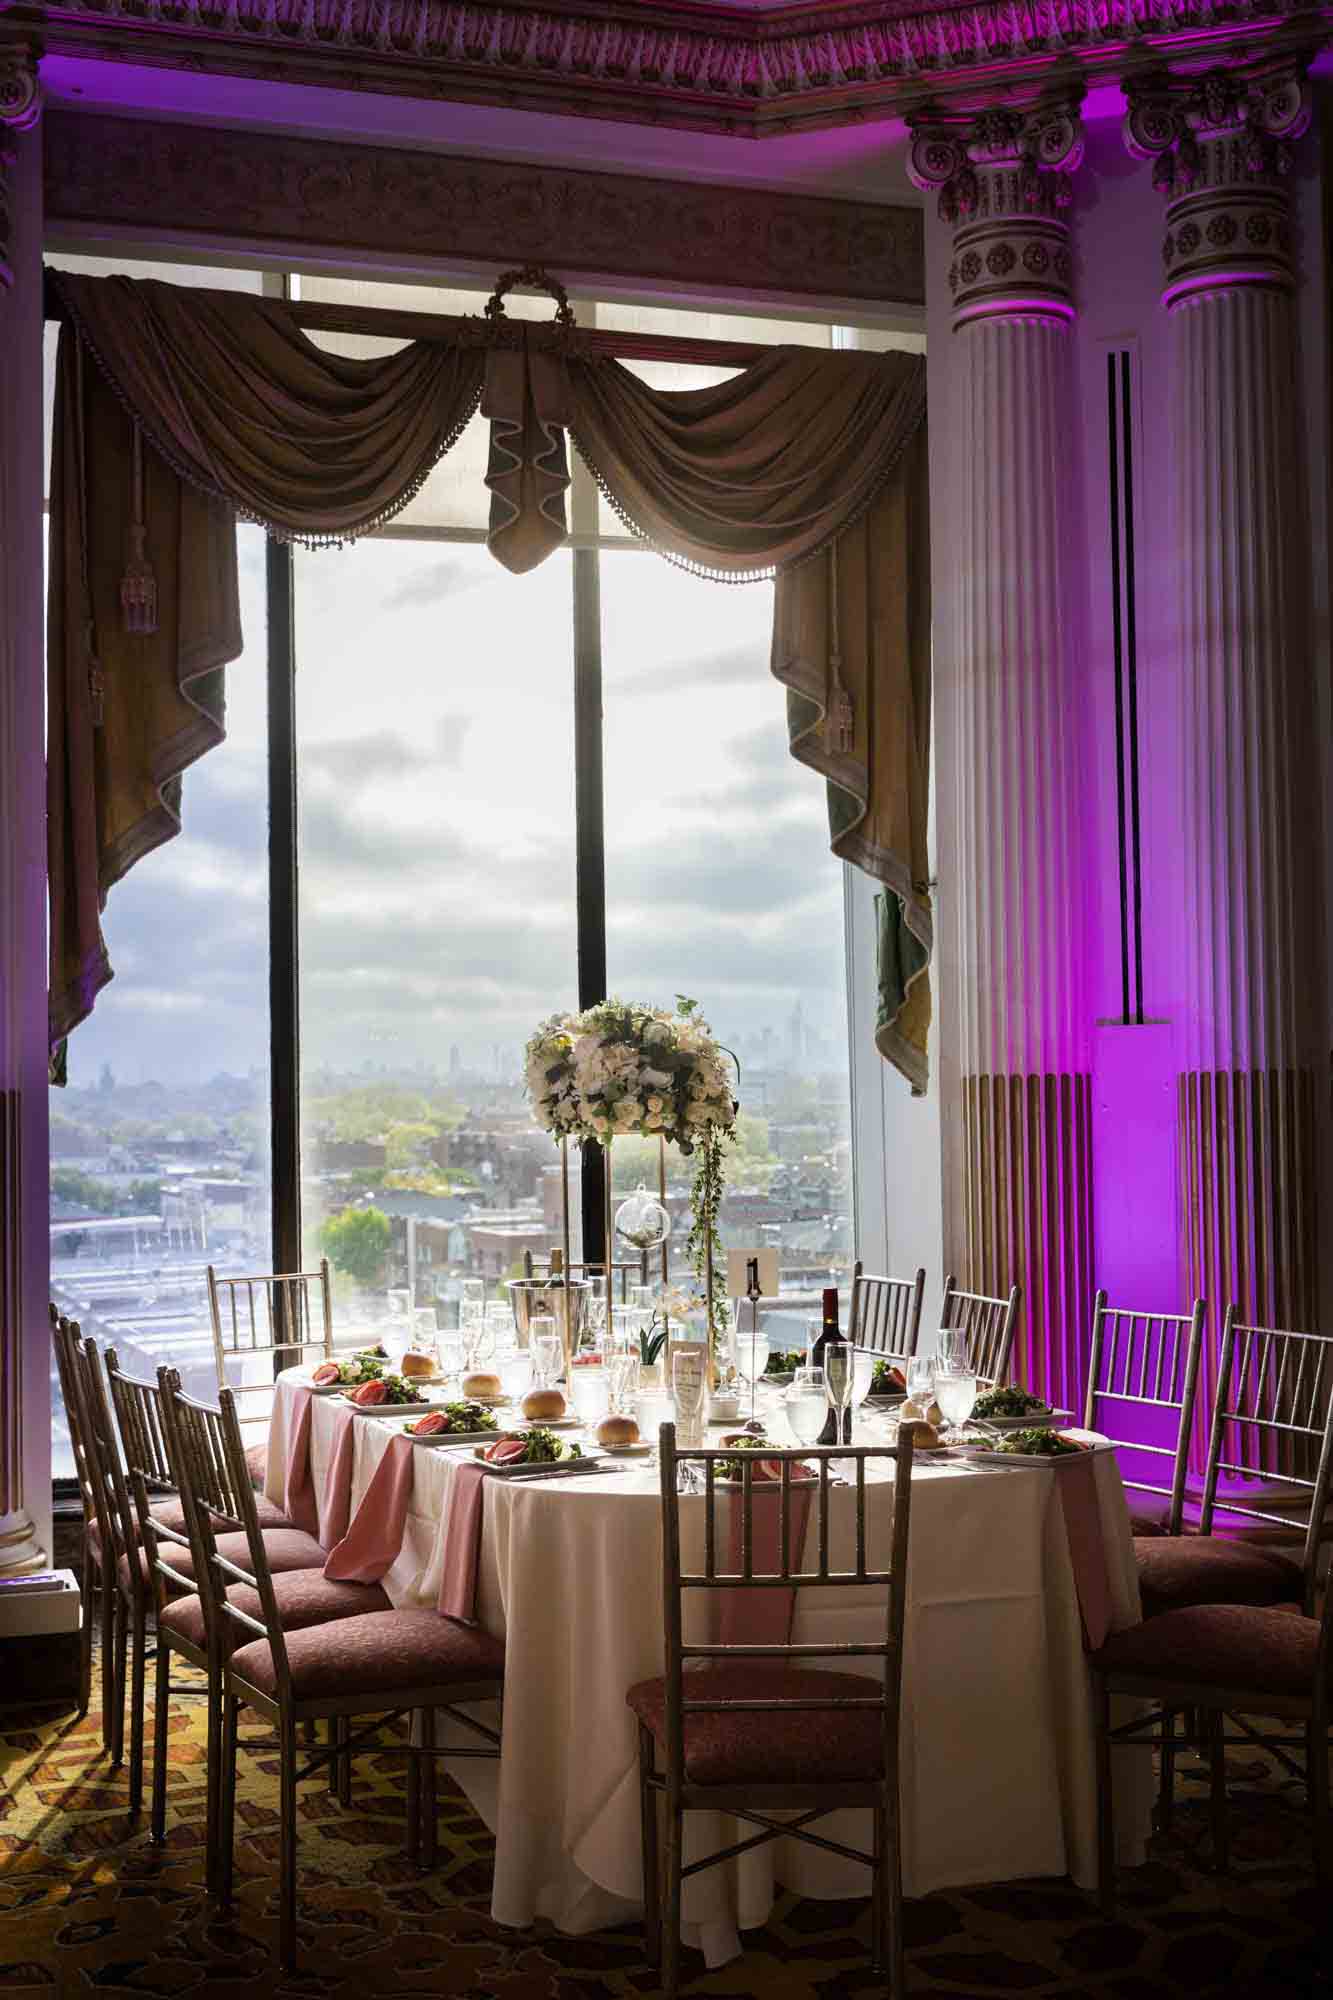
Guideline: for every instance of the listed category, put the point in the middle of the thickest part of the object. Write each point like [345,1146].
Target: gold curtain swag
[178,411]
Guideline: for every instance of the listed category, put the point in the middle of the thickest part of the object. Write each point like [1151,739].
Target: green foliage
[357,1242]
[705,1206]
[72,1185]
[145,1195]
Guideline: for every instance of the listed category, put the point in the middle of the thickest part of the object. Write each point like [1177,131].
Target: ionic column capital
[20,86]
[1221,143]
[1003,175]
[20,109]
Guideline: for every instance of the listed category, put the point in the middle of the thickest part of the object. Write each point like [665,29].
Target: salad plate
[986,1454]
[437,1438]
[390,1409]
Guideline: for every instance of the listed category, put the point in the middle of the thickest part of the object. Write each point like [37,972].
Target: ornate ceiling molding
[718,67]
[323,195]
[20,109]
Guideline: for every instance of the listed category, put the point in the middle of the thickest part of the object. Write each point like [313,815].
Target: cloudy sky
[435,719]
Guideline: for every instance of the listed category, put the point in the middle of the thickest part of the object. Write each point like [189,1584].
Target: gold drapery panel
[178,410]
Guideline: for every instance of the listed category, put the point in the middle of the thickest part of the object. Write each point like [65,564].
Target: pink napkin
[338,1480]
[460,1530]
[375,1536]
[298,1486]
[762,1617]
[1087,1546]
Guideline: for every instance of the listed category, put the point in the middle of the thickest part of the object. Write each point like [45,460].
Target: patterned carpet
[88,1907]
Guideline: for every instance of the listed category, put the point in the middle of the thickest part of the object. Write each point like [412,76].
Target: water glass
[473,1294]
[642,1298]
[955,1392]
[921,1380]
[806,1404]
[840,1384]
[449,1348]
[588,1391]
[951,1350]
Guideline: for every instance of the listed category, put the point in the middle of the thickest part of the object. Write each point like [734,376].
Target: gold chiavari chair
[281,1314]
[98,1564]
[990,1325]
[1143,1362]
[367,1669]
[211,1520]
[757,1730]
[886,1313]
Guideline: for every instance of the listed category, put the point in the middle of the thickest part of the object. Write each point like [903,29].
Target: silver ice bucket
[567,1304]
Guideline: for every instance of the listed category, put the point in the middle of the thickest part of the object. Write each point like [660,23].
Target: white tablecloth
[997,1771]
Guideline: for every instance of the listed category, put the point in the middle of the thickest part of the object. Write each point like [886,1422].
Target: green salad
[888,1380]
[469,1417]
[785,1361]
[1038,1444]
[366,1367]
[1010,1402]
[730,1468]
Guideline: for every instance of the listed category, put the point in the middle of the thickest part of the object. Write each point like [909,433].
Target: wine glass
[425,1332]
[623,1370]
[806,1404]
[955,1392]
[839,1385]
[642,1298]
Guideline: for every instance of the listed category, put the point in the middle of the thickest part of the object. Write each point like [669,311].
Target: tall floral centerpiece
[623,1071]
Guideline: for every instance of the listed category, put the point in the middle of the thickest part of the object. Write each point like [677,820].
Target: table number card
[738,1279]
[687,1380]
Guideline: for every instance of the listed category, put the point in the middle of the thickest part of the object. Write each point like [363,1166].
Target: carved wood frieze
[720,67]
[326,196]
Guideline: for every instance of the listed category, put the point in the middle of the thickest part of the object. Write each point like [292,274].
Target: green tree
[145,1195]
[357,1241]
[72,1185]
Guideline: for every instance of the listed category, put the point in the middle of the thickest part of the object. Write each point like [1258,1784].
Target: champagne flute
[955,1392]
[547,1351]
[839,1385]
[806,1404]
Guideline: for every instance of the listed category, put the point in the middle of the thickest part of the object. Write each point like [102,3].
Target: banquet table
[998,1776]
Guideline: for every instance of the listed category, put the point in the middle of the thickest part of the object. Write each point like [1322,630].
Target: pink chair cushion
[1184,1570]
[171,1513]
[286,1548]
[257,1459]
[377,1655]
[305,1597]
[803,1746]
[1269,1649]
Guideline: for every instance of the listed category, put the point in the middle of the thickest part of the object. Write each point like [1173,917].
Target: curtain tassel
[96,683]
[138,586]
[839,716]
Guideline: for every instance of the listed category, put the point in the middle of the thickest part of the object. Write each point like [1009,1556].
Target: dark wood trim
[590,858]
[265,196]
[283,975]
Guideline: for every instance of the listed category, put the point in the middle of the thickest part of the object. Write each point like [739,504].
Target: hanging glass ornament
[642,1221]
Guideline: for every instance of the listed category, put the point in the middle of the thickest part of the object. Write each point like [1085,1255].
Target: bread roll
[617,1431]
[540,1405]
[414,1363]
[924,1436]
[480,1385]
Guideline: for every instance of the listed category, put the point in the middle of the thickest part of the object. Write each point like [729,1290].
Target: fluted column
[1253,988]
[25,1417]
[1015,730]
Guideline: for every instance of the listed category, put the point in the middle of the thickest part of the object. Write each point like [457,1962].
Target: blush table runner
[998,1774]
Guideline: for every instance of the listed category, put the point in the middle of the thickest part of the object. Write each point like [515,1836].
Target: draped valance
[178,411]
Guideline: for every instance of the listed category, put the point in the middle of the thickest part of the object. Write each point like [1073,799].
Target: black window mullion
[590,848]
[284,1014]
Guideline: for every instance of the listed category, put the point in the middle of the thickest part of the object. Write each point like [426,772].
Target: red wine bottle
[829,1332]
